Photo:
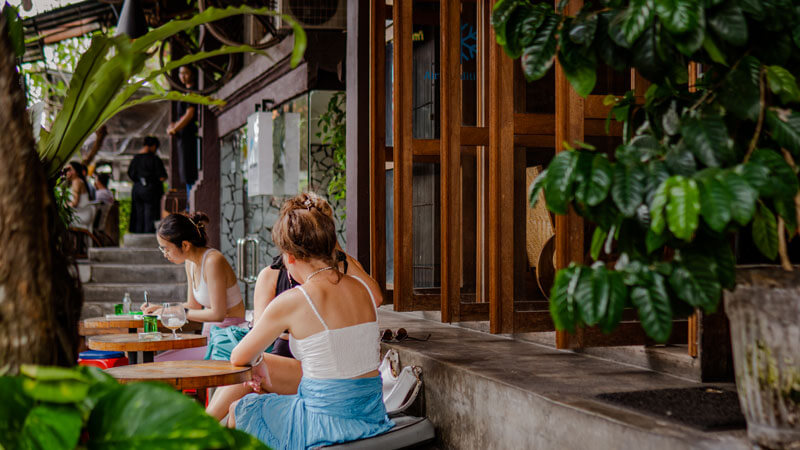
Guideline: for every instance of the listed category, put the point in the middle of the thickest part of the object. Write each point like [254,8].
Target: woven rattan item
[539,225]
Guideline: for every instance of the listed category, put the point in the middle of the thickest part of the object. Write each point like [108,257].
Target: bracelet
[258,360]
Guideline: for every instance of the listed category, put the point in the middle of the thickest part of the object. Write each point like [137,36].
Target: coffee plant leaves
[740,92]
[585,298]
[708,139]
[562,298]
[743,197]
[536,187]
[782,181]
[652,304]
[756,175]
[691,41]
[52,427]
[501,13]
[653,241]
[613,55]
[783,83]
[598,239]
[580,66]
[657,205]
[617,299]
[752,8]
[765,232]
[583,29]
[716,204]
[628,188]
[629,24]
[678,16]
[729,23]
[786,132]
[785,208]
[558,185]
[683,207]
[539,55]
[680,161]
[713,50]
[594,189]
[687,288]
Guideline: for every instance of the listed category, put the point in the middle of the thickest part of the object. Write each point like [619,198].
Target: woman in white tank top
[212,295]
[332,321]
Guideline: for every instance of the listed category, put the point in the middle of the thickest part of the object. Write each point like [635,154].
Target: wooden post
[500,241]
[450,159]
[377,142]
[357,164]
[403,156]
[569,128]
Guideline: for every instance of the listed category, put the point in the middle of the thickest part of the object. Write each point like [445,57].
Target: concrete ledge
[486,391]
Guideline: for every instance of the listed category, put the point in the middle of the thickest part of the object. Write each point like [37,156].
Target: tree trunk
[40,297]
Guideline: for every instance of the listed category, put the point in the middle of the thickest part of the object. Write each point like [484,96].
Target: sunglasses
[400,336]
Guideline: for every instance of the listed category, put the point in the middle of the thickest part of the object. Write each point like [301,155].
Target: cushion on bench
[406,432]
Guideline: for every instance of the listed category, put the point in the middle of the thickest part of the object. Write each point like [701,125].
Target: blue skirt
[323,412]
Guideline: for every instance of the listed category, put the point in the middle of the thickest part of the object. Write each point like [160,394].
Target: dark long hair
[79,168]
[178,227]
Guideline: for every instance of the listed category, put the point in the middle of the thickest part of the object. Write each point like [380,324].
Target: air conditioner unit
[315,14]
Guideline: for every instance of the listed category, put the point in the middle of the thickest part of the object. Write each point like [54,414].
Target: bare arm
[265,291]
[276,318]
[185,119]
[77,189]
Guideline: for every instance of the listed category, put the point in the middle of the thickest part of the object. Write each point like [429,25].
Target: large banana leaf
[101,86]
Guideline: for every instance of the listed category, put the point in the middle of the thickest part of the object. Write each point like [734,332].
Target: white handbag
[400,387]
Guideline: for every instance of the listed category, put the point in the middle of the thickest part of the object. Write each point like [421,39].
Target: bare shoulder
[268,275]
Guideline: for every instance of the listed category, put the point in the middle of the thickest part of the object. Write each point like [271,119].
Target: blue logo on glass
[469,42]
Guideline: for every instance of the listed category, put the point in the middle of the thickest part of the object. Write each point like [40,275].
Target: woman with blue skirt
[333,332]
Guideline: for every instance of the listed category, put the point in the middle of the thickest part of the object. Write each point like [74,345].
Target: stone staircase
[136,266]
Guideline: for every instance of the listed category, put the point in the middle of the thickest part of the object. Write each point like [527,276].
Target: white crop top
[341,353]
[233,296]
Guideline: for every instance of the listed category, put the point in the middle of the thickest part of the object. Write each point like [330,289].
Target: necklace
[316,272]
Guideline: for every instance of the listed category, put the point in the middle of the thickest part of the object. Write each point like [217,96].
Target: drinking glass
[173,317]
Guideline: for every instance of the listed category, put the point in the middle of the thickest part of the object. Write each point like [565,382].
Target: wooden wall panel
[403,156]
[450,92]
[500,240]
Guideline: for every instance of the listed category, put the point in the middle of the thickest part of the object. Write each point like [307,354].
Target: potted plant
[699,161]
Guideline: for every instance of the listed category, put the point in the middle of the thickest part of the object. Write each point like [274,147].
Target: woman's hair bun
[199,218]
[308,201]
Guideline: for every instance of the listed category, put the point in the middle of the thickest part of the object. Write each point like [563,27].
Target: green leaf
[15,408]
[538,57]
[501,13]
[629,24]
[628,188]
[720,251]
[783,83]
[558,185]
[580,66]
[691,41]
[562,300]
[683,207]
[600,292]
[594,189]
[729,24]
[765,232]
[756,175]
[654,241]
[785,208]
[678,16]
[697,286]
[709,140]
[716,204]
[598,238]
[713,51]
[585,297]
[155,416]
[785,131]
[583,29]
[782,181]
[536,188]
[652,304]
[743,197]
[680,161]
[753,8]
[51,373]
[245,441]
[617,298]
[514,30]
[55,391]
[15,29]
[660,199]
[52,427]
[740,92]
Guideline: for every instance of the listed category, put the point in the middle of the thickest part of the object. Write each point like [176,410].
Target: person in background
[89,186]
[80,195]
[148,174]
[212,295]
[185,132]
[102,194]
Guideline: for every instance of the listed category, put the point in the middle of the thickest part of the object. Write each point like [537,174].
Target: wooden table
[131,323]
[130,343]
[184,374]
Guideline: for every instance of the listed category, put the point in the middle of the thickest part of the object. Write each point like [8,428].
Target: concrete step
[140,273]
[112,293]
[139,240]
[126,255]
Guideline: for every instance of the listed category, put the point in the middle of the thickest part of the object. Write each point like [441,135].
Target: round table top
[184,374]
[130,342]
[131,321]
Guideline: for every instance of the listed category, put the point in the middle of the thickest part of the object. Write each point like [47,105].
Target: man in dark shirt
[185,132]
[148,174]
